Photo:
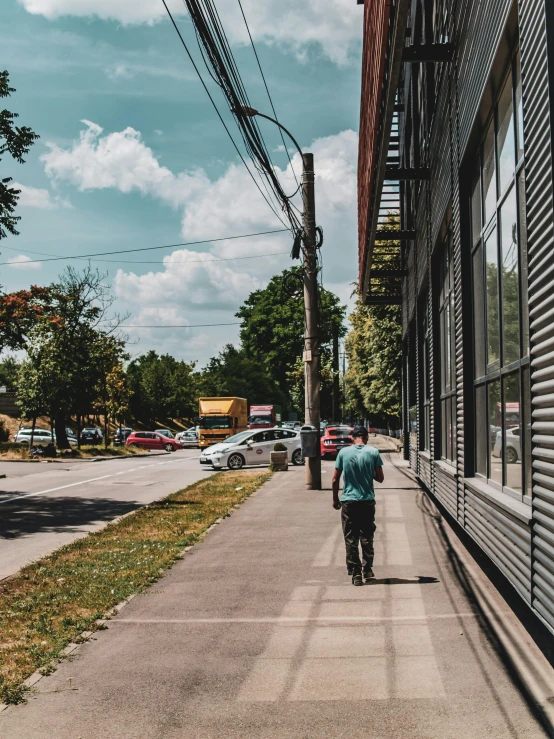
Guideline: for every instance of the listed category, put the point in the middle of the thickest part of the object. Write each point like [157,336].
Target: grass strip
[51,602]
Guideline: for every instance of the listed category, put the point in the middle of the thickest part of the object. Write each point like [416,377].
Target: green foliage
[279,447]
[234,373]
[9,367]
[4,433]
[162,387]
[16,140]
[272,329]
[374,351]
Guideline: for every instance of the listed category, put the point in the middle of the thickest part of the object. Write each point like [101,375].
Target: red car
[334,439]
[152,440]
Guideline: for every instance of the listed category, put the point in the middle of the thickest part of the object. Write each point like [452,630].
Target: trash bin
[309,439]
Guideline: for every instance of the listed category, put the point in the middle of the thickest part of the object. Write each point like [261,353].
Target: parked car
[121,435]
[513,445]
[187,438]
[42,436]
[152,440]
[252,448]
[334,439]
[91,435]
[165,432]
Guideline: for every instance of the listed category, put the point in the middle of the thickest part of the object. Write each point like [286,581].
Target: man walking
[361,465]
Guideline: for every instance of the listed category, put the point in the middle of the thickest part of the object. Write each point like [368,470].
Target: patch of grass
[49,603]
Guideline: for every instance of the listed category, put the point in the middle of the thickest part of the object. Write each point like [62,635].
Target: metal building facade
[465,144]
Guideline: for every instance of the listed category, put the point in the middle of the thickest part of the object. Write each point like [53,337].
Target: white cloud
[194,287]
[334,26]
[36,197]
[20,261]
[119,160]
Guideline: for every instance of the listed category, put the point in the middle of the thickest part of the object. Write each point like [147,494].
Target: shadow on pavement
[67,514]
[418,579]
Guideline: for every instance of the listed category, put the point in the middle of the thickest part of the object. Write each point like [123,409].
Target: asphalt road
[46,505]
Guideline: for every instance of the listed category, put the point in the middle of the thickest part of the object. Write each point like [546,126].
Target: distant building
[456,151]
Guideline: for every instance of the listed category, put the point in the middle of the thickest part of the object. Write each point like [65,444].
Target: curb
[73,460]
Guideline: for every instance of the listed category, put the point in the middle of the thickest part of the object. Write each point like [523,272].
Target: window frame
[503,372]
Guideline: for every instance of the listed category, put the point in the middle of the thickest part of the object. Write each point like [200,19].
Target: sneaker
[357,579]
[368,575]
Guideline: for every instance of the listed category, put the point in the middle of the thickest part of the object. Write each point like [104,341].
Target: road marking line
[296,620]
[84,482]
[53,490]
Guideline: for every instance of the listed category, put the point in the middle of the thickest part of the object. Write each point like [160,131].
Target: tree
[272,330]
[162,387]
[234,373]
[374,351]
[9,367]
[16,140]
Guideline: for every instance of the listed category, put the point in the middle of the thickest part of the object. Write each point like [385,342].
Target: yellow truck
[219,418]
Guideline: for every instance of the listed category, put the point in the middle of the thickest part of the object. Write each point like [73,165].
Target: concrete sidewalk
[259,634]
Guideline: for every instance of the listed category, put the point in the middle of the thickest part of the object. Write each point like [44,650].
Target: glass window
[512,433]
[425,436]
[493,332]
[495,431]
[489,174]
[506,137]
[519,109]
[479,312]
[510,278]
[502,393]
[481,444]
[476,207]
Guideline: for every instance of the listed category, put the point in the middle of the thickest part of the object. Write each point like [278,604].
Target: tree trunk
[33,431]
[61,435]
[79,429]
[106,430]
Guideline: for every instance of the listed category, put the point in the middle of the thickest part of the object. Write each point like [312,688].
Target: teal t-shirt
[358,464]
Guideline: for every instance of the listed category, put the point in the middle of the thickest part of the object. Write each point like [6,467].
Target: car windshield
[215,422]
[89,430]
[265,420]
[341,431]
[237,438]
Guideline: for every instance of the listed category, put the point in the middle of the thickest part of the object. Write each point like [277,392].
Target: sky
[132,154]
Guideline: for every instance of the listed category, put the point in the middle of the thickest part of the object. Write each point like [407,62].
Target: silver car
[252,448]
[513,445]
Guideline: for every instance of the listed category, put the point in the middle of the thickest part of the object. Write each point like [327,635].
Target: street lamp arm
[289,134]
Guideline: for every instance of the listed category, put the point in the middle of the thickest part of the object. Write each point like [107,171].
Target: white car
[513,445]
[252,447]
[42,436]
[187,438]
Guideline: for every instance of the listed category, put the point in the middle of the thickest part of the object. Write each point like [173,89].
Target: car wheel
[235,462]
[511,455]
[168,447]
[297,457]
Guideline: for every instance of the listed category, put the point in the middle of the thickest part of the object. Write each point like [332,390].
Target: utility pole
[336,379]
[311,320]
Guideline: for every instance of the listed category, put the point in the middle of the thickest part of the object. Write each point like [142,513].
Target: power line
[267,89]
[194,261]
[217,110]
[147,248]
[183,325]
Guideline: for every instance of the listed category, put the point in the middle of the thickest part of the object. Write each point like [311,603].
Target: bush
[4,433]
[279,447]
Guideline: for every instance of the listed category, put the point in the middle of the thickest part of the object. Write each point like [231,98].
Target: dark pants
[358,526]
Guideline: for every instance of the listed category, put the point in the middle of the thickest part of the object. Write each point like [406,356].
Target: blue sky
[132,154]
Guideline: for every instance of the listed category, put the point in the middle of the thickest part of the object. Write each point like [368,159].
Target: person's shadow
[418,579]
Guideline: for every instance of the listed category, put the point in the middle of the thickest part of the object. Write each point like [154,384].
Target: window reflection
[489,174]
[506,137]
[493,333]
[510,278]
[511,446]
[495,430]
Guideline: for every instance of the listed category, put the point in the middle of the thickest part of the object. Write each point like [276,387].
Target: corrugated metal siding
[445,490]
[506,540]
[540,237]
[440,164]
[425,471]
[479,29]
